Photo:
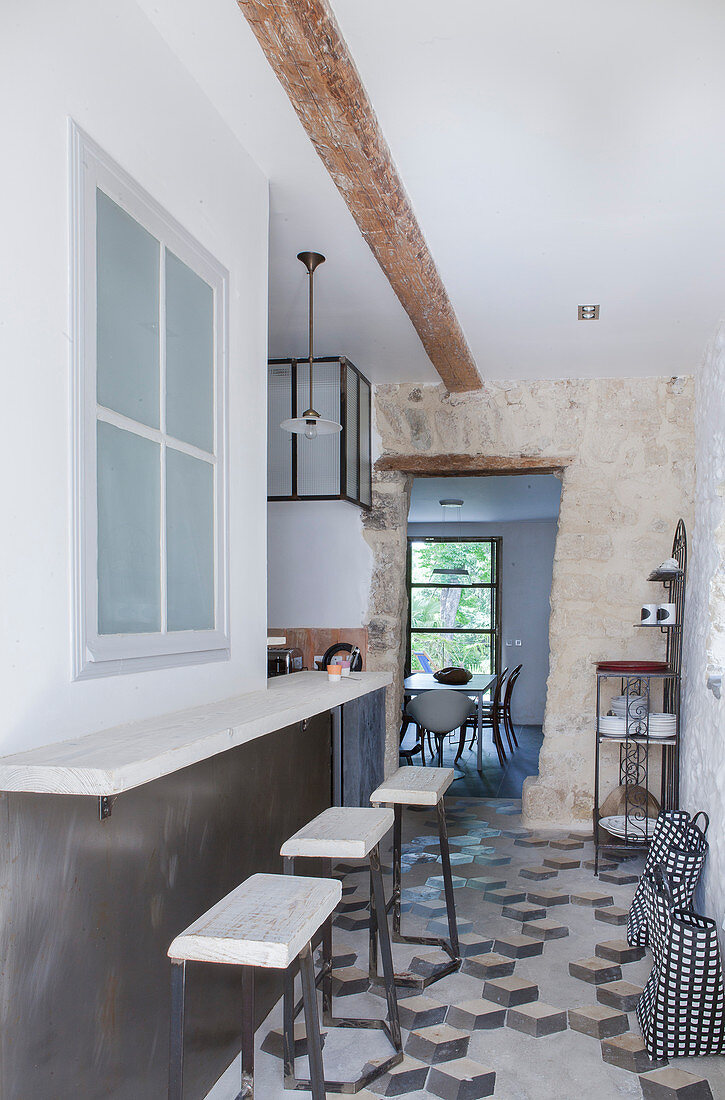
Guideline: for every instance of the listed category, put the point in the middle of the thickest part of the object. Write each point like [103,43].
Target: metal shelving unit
[636,745]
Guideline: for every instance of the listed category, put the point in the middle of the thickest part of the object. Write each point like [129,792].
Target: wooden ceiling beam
[456,465]
[304,46]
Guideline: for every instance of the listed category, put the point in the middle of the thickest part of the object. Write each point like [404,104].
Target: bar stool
[268,921]
[345,833]
[421,787]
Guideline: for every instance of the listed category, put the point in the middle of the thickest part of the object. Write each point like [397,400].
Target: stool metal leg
[312,1023]
[247,1092]
[381,921]
[450,946]
[176,1036]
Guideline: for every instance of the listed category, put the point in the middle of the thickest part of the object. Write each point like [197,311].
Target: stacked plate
[662,725]
[638,705]
[638,829]
[610,726]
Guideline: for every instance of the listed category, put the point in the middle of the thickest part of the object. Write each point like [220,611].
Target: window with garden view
[454,603]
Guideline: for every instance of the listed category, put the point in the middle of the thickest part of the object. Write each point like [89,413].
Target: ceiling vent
[588,313]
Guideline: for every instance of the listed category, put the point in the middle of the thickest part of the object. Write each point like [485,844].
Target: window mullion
[162,425]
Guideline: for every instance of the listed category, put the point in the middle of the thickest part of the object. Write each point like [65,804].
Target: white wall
[703,741]
[105,65]
[528,560]
[319,565]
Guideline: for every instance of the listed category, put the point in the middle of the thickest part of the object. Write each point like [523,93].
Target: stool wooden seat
[268,921]
[346,833]
[411,786]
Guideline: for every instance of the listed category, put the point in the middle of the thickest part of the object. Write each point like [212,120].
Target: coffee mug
[648,614]
[666,614]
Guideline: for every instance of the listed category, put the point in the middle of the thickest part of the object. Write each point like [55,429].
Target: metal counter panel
[88,909]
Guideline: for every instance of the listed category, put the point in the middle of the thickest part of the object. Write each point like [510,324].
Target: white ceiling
[555,154]
[485,499]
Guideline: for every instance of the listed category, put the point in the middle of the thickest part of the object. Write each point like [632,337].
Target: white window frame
[95,654]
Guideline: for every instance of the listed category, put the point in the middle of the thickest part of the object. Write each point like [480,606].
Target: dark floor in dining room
[496,780]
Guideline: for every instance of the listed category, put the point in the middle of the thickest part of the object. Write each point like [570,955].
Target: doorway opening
[479,598]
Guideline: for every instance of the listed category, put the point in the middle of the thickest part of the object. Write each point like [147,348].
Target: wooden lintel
[450,465]
[305,47]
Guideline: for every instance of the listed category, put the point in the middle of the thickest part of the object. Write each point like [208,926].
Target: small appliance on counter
[282,661]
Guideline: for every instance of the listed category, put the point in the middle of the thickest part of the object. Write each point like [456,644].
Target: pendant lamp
[311,424]
[451,572]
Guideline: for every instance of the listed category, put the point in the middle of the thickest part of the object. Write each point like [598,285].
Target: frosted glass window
[127,314]
[129,576]
[189,355]
[189,542]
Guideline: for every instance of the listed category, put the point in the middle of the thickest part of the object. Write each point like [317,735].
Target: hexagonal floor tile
[488,965]
[531,842]
[484,882]
[618,951]
[566,844]
[462,1079]
[476,1014]
[517,946]
[440,927]
[408,1076]
[595,971]
[523,911]
[426,964]
[349,980]
[421,1011]
[510,991]
[353,922]
[505,896]
[545,929]
[592,899]
[537,1019]
[545,895]
[628,1052]
[436,881]
[599,1021]
[471,943]
[437,1043]
[674,1084]
[538,873]
[562,863]
[622,995]
[429,910]
[492,860]
[612,915]
[274,1042]
[619,878]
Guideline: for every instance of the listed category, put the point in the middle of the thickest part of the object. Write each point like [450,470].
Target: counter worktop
[118,759]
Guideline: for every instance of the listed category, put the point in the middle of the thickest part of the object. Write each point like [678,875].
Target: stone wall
[703,750]
[625,449]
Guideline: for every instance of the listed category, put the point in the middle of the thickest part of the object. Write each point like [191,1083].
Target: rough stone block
[538,873]
[595,971]
[545,895]
[408,1076]
[505,896]
[621,995]
[421,1011]
[537,1019]
[628,1051]
[612,915]
[599,1021]
[274,1042]
[471,943]
[619,878]
[476,1014]
[349,980]
[517,946]
[489,965]
[545,929]
[562,863]
[510,991]
[592,899]
[437,1043]
[674,1084]
[523,911]
[462,1079]
[618,951]
[567,844]
[484,882]
[531,842]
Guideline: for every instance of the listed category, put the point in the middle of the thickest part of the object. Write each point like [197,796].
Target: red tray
[632,666]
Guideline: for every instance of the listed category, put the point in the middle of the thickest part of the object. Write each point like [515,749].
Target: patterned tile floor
[541,985]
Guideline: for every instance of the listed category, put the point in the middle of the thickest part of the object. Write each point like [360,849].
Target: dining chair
[492,719]
[418,747]
[440,712]
[507,719]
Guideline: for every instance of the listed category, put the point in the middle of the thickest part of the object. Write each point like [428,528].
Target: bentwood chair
[492,719]
[507,719]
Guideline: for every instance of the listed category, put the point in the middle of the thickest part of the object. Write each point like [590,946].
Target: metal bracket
[105,805]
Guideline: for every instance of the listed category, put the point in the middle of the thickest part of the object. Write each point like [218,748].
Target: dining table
[479,685]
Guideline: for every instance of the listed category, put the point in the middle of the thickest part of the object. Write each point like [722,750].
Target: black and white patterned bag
[679,846]
[682,1008]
